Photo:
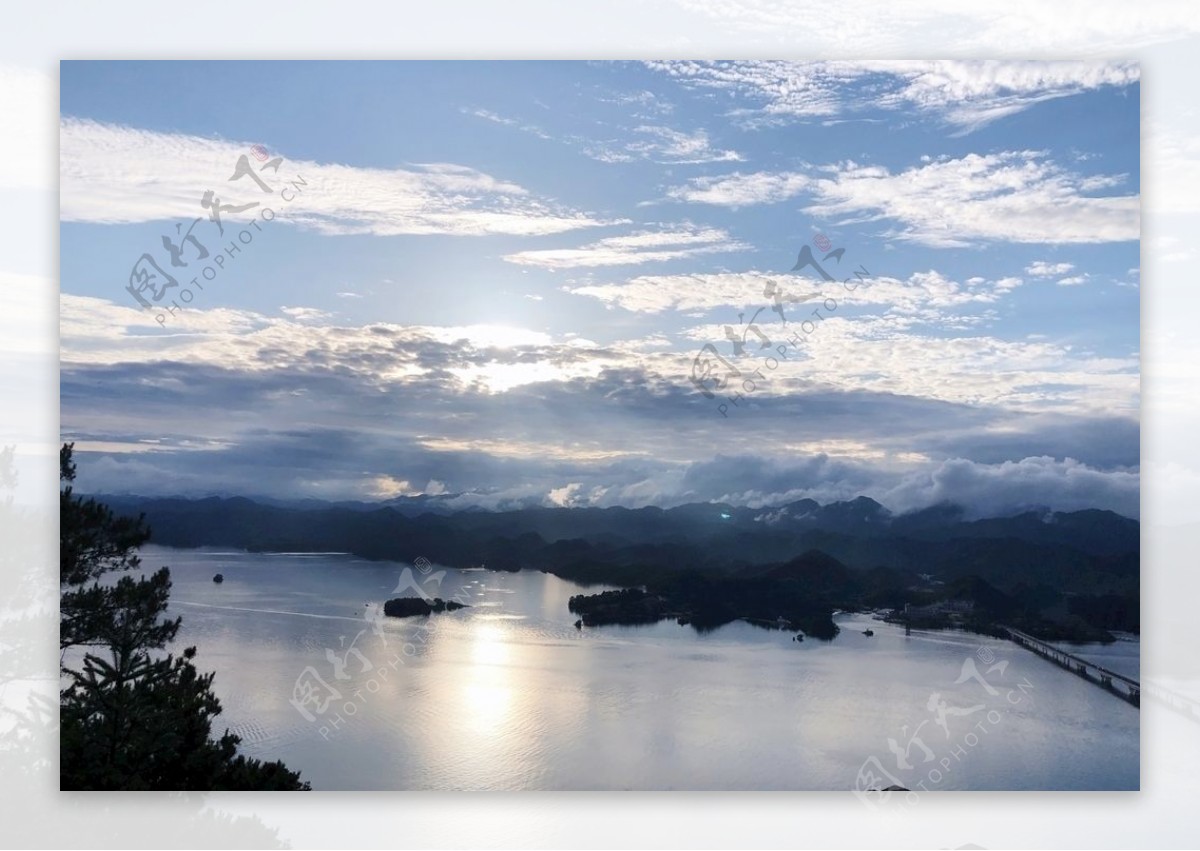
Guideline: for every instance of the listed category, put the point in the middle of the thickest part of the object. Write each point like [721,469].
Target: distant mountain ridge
[1090,550]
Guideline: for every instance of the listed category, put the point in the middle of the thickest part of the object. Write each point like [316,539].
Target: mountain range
[1090,551]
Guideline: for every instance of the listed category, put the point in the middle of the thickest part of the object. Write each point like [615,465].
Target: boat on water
[868,632]
[219,578]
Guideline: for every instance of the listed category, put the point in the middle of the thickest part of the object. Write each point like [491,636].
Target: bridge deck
[1120,685]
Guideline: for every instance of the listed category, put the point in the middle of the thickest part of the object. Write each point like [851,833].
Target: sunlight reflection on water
[508,694]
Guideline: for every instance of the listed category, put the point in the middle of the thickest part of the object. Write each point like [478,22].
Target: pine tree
[132,715]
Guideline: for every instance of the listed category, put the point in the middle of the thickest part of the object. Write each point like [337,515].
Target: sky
[575,283]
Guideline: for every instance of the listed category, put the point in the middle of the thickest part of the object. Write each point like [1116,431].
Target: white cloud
[1015,196]
[922,294]
[658,293]
[1043,269]
[565,496]
[496,118]
[645,100]
[115,174]
[640,247]
[993,489]
[616,402]
[674,146]
[963,93]
[653,142]
[606,153]
[886,354]
[906,355]
[741,190]
[95,331]
[972,93]
[663,145]
[983,489]
[567,451]
[488,115]
[1073,281]
[306,314]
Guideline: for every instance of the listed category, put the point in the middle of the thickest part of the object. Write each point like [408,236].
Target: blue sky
[494,280]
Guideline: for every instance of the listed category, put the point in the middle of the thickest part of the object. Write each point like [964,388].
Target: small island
[799,595]
[626,606]
[407,607]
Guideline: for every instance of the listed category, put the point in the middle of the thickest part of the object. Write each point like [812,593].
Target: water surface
[508,694]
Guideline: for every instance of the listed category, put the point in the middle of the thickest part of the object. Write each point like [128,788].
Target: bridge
[1185,706]
[1121,686]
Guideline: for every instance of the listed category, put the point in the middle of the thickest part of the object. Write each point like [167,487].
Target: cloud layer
[112,174]
[565,372]
[505,417]
[966,94]
[1012,196]
[647,246]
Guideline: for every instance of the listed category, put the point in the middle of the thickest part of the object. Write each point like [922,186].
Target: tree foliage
[132,714]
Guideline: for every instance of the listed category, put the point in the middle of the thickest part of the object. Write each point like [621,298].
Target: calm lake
[508,694]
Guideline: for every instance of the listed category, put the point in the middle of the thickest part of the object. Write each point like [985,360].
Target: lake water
[508,694]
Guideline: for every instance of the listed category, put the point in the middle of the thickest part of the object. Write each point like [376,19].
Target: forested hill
[1089,551]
